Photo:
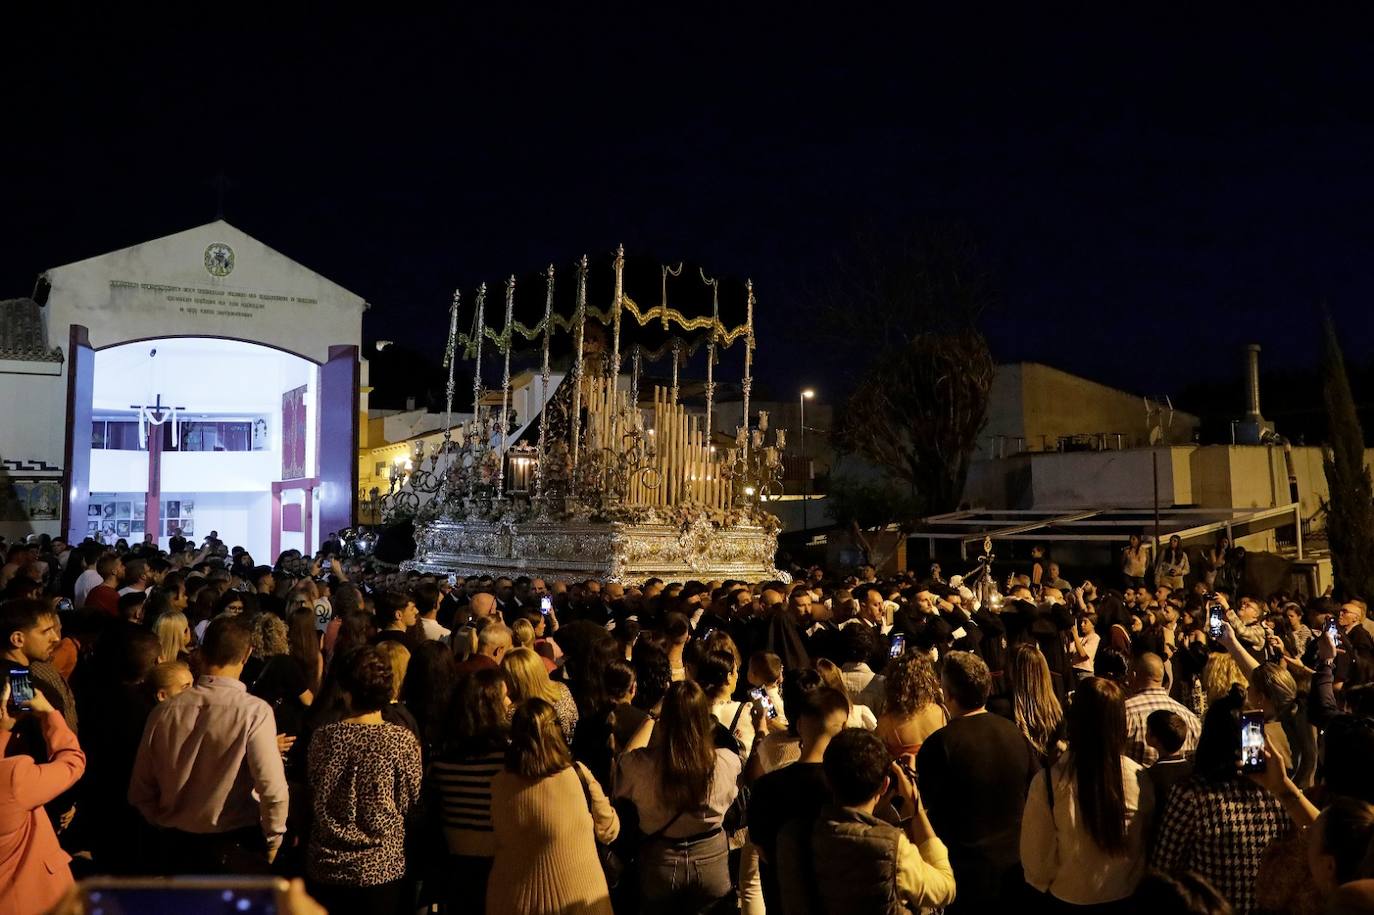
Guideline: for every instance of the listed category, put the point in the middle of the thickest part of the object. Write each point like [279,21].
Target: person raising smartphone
[34,869]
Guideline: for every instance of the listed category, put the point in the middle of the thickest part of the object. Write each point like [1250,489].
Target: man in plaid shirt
[1148,695]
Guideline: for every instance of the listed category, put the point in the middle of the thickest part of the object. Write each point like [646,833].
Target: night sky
[1151,192]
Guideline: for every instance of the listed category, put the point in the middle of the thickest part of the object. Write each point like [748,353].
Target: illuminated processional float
[612,479]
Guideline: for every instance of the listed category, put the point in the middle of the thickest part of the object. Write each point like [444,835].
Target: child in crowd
[765,673]
[1166,732]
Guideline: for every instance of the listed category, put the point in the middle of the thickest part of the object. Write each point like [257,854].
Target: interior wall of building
[211,379]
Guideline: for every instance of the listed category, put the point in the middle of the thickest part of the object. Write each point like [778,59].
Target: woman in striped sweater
[462,776]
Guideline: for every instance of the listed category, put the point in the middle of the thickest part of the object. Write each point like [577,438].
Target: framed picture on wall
[109,508]
[188,509]
[139,510]
[45,500]
[122,528]
[173,508]
[136,527]
[93,510]
[92,527]
[122,509]
[188,528]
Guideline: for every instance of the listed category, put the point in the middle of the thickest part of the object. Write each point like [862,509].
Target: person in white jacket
[1083,830]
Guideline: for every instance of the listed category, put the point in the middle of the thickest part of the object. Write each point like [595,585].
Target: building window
[200,435]
[380,469]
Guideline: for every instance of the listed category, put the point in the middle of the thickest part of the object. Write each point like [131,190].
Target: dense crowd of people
[905,743]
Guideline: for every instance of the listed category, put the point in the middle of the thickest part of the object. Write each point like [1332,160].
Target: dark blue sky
[1153,191]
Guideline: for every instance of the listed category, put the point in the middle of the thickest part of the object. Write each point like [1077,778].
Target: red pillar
[276,524]
[308,516]
[152,511]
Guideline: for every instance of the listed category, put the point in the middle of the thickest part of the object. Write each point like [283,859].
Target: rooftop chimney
[1253,429]
[1252,394]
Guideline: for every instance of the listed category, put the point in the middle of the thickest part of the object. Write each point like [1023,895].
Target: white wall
[242,519]
[162,288]
[218,471]
[120,471]
[1096,479]
[33,398]
[199,374]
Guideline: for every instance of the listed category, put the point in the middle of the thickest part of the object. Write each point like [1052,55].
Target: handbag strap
[1049,787]
[587,793]
[739,710]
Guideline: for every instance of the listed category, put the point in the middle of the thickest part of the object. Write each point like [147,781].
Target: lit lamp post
[801,446]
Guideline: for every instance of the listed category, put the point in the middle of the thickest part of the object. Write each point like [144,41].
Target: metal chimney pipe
[1252,392]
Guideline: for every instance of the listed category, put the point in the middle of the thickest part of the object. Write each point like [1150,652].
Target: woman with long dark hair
[355,631]
[1172,568]
[427,691]
[681,786]
[475,751]
[548,813]
[303,646]
[1083,829]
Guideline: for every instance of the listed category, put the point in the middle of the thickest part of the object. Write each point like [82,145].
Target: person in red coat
[34,871]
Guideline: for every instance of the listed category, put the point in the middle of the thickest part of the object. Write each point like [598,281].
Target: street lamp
[806,467]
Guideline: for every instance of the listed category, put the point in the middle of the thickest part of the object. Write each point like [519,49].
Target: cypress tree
[1350,511]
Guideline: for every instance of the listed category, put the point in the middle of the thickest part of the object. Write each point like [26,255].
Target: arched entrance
[192,435]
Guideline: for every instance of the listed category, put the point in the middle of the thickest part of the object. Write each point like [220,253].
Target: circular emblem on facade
[219,259]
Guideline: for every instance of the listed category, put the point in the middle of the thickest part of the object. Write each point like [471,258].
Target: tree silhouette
[916,411]
[1350,511]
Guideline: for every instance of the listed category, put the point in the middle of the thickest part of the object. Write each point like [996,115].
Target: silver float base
[611,551]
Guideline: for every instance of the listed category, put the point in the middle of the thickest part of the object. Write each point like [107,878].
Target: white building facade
[194,383]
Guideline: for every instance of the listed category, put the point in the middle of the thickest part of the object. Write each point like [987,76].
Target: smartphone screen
[761,697]
[21,689]
[1333,629]
[452,580]
[898,646]
[173,896]
[1252,742]
[545,604]
[1214,621]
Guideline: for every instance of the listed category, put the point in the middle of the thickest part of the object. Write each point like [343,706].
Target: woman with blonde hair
[1272,689]
[174,635]
[547,814]
[529,679]
[523,635]
[915,706]
[1218,676]
[397,656]
[274,676]
[860,716]
[464,643]
[1035,707]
